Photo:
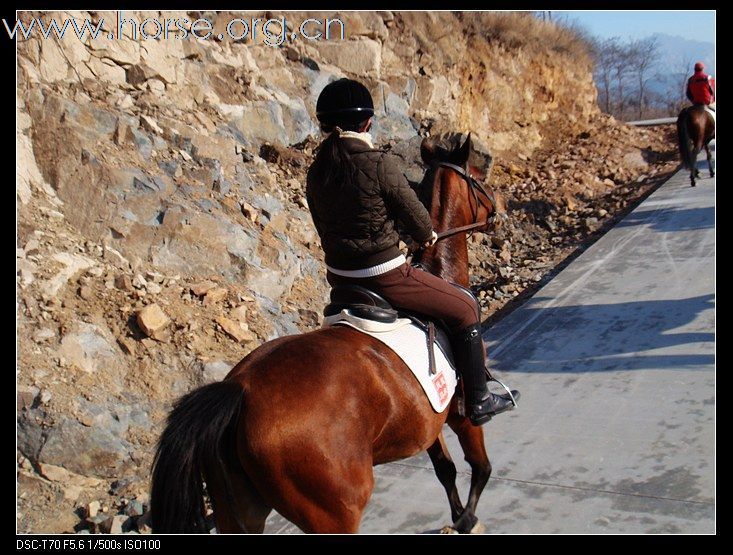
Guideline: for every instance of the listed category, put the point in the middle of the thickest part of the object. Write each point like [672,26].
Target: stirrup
[509,392]
[479,417]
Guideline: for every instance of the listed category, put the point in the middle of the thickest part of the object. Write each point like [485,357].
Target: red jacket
[701,88]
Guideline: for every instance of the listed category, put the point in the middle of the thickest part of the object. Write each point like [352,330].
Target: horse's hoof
[449,530]
[478,528]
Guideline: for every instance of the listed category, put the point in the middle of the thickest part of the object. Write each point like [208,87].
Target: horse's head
[455,190]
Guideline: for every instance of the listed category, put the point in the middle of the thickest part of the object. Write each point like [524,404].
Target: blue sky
[692,25]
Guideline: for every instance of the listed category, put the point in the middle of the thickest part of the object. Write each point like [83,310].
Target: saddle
[362,303]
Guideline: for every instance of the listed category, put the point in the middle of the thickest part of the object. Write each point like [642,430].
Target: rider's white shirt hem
[372,271]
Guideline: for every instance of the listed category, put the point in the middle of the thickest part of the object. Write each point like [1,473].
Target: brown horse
[299,423]
[695,130]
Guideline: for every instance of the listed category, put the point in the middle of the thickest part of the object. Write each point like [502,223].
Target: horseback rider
[701,87]
[355,194]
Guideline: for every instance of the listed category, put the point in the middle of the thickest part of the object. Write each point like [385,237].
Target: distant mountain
[677,57]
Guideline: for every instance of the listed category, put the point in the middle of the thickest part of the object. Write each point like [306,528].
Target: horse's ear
[427,150]
[460,156]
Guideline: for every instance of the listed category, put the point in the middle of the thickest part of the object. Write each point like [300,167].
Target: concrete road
[615,358]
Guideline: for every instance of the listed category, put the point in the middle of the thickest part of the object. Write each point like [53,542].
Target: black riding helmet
[345,103]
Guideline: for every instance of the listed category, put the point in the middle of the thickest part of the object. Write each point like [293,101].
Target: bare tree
[620,56]
[605,52]
[643,54]
[682,75]
[676,85]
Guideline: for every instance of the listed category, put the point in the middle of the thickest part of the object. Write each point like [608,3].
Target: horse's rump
[339,382]
[695,128]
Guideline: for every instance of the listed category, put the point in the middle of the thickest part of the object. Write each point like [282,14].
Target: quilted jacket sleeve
[402,201]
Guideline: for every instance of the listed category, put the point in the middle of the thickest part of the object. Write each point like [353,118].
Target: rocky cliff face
[162,226]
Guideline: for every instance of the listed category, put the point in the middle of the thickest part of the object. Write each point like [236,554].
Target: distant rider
[701,88]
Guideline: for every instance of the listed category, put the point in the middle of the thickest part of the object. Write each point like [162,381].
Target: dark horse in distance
[695,130]
[299,423]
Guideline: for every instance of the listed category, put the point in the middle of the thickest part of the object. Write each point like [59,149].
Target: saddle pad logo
[441,387]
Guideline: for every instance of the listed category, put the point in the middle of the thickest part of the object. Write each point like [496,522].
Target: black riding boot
[470,356]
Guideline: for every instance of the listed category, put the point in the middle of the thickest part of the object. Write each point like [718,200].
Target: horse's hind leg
[323,497]
[472,441]
[696,148]
[445,470]
[238,507]
[710,160]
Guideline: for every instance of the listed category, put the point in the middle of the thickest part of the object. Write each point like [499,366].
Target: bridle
[478,191]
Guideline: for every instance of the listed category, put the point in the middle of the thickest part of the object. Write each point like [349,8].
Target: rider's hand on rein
[430,242]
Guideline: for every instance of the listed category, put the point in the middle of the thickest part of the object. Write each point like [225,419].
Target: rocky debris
[215,371]
[150,124]
[127,345]
[27,397]
[215,295]
[43,334]
[73,484]
[123,282]
[153,321]
[200,289]
[87,347]
[153,288]
[73,264]
[124,512]
[86,293]
[115,525]
[109,524]
[240,313]
[138,282]
[92,509]
[239,331]
[249,211]
[134,508]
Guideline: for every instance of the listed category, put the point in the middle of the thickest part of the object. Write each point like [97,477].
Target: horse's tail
[683,140]
[191,443]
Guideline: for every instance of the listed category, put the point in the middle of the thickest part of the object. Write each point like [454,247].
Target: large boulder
[89,347]
[90,451]
[360,57]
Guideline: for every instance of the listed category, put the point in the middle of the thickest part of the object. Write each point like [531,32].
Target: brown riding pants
[414,289]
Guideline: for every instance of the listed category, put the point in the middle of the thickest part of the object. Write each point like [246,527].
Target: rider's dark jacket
[356,220]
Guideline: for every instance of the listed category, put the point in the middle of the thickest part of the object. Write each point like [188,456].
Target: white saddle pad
[409,343]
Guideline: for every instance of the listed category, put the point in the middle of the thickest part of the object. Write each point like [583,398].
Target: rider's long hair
[332,167]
